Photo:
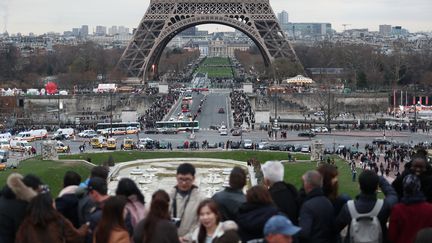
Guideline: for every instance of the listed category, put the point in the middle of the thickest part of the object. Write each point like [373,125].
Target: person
[85,205]
[412,214]
[284,195]
[111,227]
[330,187]
[365,202]
[185,199]
[279,229]
[316,218]
[44,224]
[420,167]
[135,199]
[97,190]
[254,213]
[14,199]
[67,200]
[157,225]
[231,198]
[211,228]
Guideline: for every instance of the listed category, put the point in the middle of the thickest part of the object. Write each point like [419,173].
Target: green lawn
[50,172]
[122,156]
[216,61]
[294,171]
[216,72]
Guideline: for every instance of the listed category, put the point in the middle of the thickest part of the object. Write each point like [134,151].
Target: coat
[117,236]
[136,209]
[364,203]
[226,232]
[59,230]
[190,220]
[317,218]
[251,219]
[14,199]
[407,219]
[67,204]
[165,232]
[229,201]
[286,198]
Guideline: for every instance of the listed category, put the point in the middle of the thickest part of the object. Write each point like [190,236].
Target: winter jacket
[189,220]
[364,204]
[226,232]
[117,236]
[229,201]
[58,230]
[251,219]
[14,199]
[317,218]
[67,204]
[165,232]
[136,209]
[286,198]
[407,219]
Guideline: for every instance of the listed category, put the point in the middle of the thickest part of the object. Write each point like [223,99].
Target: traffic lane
[210,112]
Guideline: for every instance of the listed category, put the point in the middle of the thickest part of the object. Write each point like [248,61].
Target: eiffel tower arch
[164,19]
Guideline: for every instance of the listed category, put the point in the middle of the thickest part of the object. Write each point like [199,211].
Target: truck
[66,132]
[39,133]
[25,136]
[20,145]
[106,88]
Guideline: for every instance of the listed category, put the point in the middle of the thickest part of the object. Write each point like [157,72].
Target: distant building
[283,17]
[192,31]
[385,30]
[100,30]
[76,32]
[307,29]
[217,47]
[113,30]
[399,31]
[84,31]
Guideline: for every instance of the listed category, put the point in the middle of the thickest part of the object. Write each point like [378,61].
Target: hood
[21,191]
[220,230]
[68,190]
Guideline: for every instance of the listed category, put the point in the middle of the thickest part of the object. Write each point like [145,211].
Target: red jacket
[407,219]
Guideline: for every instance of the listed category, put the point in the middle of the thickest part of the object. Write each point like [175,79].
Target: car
[274,147]
[236,132]
[151,131]
[263,145]
[87,134]
[286,147]
[223,132]
[305,149]
[319,113]
[380,141]
[4,155]
[62,148]
[212,145]
[306,134]
[221,110]
[235,145]
[247,144]
[319,129]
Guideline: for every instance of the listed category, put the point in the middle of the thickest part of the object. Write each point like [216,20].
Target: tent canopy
[299,80]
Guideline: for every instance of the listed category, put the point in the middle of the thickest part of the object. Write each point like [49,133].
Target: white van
[4,144]
[68,132]
[39,133]
[20,145]
[26,136]
[7,136]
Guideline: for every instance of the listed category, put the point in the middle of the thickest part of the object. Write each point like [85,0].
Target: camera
[176,221]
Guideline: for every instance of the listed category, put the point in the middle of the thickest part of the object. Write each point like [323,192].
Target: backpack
[365,228]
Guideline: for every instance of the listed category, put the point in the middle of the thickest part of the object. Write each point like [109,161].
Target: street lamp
[111,115]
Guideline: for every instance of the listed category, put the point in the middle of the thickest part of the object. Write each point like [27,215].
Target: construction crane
[345,25]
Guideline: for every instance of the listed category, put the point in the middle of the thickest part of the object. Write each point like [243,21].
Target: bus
[177,126]
[125,125]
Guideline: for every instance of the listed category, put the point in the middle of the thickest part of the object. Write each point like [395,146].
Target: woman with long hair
[330,187]
[135,199]
[211,229]
[44,224]
[111,228]
[157,226]
[254,213]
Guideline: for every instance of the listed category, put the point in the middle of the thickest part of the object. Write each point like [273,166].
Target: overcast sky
[40,16]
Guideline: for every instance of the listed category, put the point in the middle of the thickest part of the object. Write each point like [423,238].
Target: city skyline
[25,16]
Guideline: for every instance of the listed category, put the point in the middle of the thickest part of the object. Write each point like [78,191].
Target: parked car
[380,141]
[319,129]
[247,144]
[263,145]
[306,134]
[235,145]
[274,147]
[236,132]
[87,134]
[151,131]
[305,149]
[286,147]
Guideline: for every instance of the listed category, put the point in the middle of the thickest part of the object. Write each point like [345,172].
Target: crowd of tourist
[242,110]
[158,110]
[273,211]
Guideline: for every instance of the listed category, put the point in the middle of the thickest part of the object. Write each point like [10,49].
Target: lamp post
[111,115]
[275,127]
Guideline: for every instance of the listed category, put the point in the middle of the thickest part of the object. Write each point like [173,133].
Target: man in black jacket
[230,199]
[284,195]
[316,214]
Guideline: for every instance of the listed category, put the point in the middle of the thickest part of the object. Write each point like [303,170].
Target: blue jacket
[364,204]
[317,219]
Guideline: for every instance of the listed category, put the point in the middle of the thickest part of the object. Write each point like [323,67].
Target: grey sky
[41,16]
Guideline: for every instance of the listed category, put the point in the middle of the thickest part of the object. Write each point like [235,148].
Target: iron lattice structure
[165,19]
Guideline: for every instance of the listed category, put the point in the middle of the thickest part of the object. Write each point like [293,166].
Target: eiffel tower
[165,19]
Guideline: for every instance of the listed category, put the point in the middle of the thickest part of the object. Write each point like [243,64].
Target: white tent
[298,80]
